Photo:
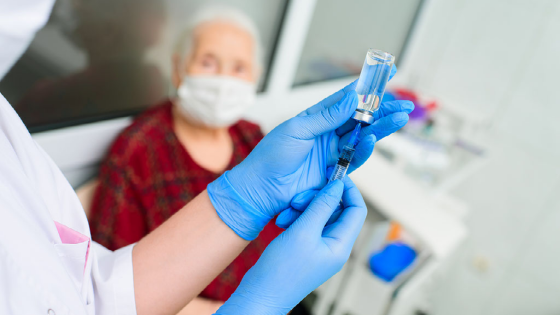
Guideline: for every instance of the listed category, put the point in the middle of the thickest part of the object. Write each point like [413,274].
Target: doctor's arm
[174,263]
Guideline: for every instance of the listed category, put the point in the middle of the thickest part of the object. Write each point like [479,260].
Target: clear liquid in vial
[373,79]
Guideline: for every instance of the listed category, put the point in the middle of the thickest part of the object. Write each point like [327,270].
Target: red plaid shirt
[148,176]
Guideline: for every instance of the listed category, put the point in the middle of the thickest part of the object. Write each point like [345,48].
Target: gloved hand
[302,200]
[294,157]
[302,257]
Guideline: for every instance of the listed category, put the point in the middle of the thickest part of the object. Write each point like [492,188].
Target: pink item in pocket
[70,236]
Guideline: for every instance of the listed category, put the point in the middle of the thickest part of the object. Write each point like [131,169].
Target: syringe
[346,155]
[370,89]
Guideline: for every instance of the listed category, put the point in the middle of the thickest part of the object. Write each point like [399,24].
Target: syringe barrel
[343,163]
[338,172]
[371,84]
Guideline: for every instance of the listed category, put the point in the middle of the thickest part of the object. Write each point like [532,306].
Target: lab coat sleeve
[113,281]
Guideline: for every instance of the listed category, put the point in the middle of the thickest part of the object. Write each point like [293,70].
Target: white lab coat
[48,263]
[38,272]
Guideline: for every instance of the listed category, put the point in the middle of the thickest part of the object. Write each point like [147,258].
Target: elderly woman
[171,152]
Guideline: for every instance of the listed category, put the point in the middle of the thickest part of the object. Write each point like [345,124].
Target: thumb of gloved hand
[315,217]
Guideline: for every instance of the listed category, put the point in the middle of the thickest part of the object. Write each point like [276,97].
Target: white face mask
[215,101]
[19,20]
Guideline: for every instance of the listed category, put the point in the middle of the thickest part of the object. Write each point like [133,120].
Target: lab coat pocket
[74,258]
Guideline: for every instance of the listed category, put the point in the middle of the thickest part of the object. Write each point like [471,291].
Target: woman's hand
[304,256]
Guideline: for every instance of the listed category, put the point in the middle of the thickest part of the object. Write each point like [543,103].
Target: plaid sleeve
[117,218]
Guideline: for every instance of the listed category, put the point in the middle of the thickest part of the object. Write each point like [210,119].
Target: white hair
[219,13]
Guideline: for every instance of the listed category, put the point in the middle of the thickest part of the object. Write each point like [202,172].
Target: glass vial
[371,85]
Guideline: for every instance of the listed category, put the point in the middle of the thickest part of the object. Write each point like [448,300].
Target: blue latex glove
[379,129]
[293,158]
[302,257]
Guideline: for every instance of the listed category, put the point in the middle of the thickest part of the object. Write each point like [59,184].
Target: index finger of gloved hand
[298,204]
[302,200]
[362,153]
[330,118]
[385,126]
[380,128]
[346,127]
[330,100]
[287,217]
[388,108]
[349,223]
[315,217]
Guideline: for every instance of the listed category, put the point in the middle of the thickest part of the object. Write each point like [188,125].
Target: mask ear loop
[172,92]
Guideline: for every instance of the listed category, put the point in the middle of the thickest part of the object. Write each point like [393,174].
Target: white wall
[498,60]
